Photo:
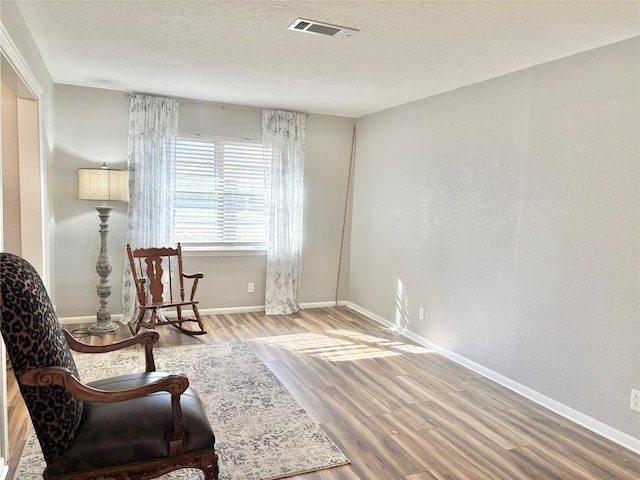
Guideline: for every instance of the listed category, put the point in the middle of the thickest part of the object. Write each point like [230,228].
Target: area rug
[261,431]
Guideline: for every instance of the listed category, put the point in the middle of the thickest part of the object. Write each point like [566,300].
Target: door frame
[14,68]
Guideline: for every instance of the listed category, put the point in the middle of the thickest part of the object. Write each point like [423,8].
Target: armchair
[136,426]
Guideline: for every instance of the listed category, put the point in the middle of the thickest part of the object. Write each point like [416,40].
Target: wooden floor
[397,410]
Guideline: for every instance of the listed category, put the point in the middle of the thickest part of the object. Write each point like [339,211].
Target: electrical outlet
[251,287]
[635,400]
[421,313]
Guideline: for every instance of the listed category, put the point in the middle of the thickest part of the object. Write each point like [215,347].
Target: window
[220,200]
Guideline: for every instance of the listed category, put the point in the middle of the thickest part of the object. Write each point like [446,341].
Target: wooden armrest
[144,337]
[194,287]
[49,376]
[193,275]
[148,338]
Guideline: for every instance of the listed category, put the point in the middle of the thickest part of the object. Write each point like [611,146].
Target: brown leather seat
[118,426]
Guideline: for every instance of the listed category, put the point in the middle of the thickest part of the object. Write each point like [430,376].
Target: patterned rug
[261,431]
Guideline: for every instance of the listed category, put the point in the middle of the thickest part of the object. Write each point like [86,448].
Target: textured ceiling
[241,52]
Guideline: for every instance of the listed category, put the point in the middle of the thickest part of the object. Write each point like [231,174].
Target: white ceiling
[241,52]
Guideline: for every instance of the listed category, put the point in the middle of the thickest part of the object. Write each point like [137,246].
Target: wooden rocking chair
[148,266]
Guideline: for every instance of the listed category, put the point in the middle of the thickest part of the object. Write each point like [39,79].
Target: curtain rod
[217,104]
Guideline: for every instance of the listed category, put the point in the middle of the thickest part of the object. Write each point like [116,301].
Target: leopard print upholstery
[34,338]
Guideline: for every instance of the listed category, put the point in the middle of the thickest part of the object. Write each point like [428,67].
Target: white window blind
[220,199]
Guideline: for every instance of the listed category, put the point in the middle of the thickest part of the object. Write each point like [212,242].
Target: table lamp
[107,185]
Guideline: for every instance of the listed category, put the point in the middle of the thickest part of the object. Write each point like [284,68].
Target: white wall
[328,150]
[92,127]
[510,211]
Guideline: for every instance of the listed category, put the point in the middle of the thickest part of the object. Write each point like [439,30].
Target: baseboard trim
[205,311]
[623,439]
[330,303]
[88,319]
[227,310]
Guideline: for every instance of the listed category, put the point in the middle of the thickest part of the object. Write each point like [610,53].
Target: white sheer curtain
[153,127]
[284,134]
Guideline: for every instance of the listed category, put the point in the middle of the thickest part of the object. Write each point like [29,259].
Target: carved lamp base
[103,327]
[103,268]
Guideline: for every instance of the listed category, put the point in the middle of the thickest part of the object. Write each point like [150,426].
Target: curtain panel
[153,129]
[283,134]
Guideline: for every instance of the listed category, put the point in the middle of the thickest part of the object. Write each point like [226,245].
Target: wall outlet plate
[635,400]
[420,313]
[251,287]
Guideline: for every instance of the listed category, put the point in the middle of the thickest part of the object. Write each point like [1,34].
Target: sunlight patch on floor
[304,341]
[363,337]
[356,345]
[404,347]
[414,349]
[328,348]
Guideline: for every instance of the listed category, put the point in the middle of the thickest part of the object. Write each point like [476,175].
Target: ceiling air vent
[319,28]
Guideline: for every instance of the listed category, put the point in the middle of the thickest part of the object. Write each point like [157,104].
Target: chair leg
[179,312]
[197,315]
[137,324]
[154,318]
[209,466]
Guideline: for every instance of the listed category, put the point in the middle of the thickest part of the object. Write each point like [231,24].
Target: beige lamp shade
[103,184]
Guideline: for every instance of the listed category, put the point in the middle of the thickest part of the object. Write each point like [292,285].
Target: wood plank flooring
[397,410]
